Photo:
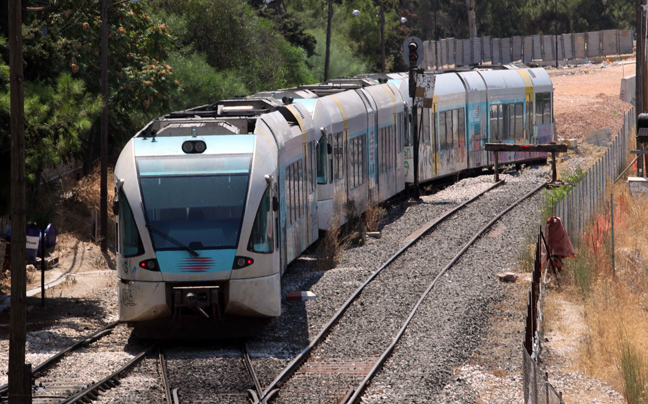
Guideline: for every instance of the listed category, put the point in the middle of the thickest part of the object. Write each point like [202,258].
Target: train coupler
[198,298]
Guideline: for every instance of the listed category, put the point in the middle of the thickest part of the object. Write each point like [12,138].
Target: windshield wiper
[171,239]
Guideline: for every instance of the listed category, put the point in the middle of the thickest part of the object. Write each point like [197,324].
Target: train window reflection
[203,212]
[261,237]
[129,237]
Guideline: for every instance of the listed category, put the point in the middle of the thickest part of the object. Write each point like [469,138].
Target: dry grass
[374,216]
[615,347]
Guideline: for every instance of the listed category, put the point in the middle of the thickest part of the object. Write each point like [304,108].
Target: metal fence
[537,389]
[536,48]
[578,206]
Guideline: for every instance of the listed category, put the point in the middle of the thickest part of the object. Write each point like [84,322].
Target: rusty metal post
[554,174]
[495,166]
[612,229]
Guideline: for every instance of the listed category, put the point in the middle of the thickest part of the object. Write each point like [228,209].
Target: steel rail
[272,389]
[165,378]
[254,394]
[110,381]
[53,359]
[378,364]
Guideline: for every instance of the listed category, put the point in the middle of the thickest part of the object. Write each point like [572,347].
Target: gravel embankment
[442,336]
[371,322]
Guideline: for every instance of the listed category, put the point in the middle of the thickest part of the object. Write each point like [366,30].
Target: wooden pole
[17,337]
[327,57]
[495,166]
[104,127]
[554,174]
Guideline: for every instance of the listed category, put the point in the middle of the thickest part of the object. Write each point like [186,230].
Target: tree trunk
[472,18]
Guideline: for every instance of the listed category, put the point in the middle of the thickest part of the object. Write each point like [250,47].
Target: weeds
[330,245]
[557,194]
[633,371]
[374,216]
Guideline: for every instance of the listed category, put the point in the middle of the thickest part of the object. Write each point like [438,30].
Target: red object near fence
[557,242]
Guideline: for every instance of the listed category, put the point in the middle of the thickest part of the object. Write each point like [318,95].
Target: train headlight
[200,146]
[194,146]
[188,147]
[242,262]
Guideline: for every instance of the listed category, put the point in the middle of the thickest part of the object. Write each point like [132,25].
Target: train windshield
[198,202]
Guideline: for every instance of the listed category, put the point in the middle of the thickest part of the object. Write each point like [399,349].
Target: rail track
[328,369]
[187,377]
[50,386]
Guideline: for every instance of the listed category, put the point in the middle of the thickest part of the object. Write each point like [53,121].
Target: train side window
[539,101]
[442,130]
[529,122]
[261,236]
[289,194]
[330,140]
[435,120]
[363,158]
[426,125]
[494,128]
[408,137]
[519,123]
[131,242]
[547,109]
[339,155]
[321,160]
[455,128]
[462,127]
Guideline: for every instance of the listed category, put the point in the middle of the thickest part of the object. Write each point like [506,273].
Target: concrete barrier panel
[593,44]
[528,49]
[628,89]
[626,42]
[579,46]
[506,50]
[487,55]
[497,51]
[568,48]
[516,48]
[609,41]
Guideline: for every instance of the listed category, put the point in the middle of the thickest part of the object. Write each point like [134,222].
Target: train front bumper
[252,297]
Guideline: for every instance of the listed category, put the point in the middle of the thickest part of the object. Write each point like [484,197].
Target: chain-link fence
[578,206]
[537,389]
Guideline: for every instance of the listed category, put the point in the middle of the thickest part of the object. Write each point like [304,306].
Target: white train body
[214,202]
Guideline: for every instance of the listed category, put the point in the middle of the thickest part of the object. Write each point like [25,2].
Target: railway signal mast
[413,52]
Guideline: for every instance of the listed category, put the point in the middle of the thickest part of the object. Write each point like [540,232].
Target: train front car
[196,204]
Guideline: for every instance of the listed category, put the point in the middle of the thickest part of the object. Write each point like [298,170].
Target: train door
[371,154]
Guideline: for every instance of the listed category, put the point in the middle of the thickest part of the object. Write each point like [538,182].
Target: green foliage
[557,194]
[633,371]
[201,83]
[235,40]
[342,63]
[55,119]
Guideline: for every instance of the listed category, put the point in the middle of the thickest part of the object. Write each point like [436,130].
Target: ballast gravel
[423,368]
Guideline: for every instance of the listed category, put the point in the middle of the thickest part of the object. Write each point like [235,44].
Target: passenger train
[212,203]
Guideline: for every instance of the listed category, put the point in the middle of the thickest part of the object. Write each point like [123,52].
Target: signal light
[413,54]
[151,265]
[242,262]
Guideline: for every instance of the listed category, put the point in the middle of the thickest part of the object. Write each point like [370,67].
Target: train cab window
[131,242]
[322,157]
[261,237]
[330,140]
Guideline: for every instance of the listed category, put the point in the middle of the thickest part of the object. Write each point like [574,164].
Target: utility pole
[382,37]
[640,72]
[328,40]
[19,383]
[556,28]
[104,126]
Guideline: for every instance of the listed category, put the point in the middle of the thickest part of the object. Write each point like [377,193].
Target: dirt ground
[586,99]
